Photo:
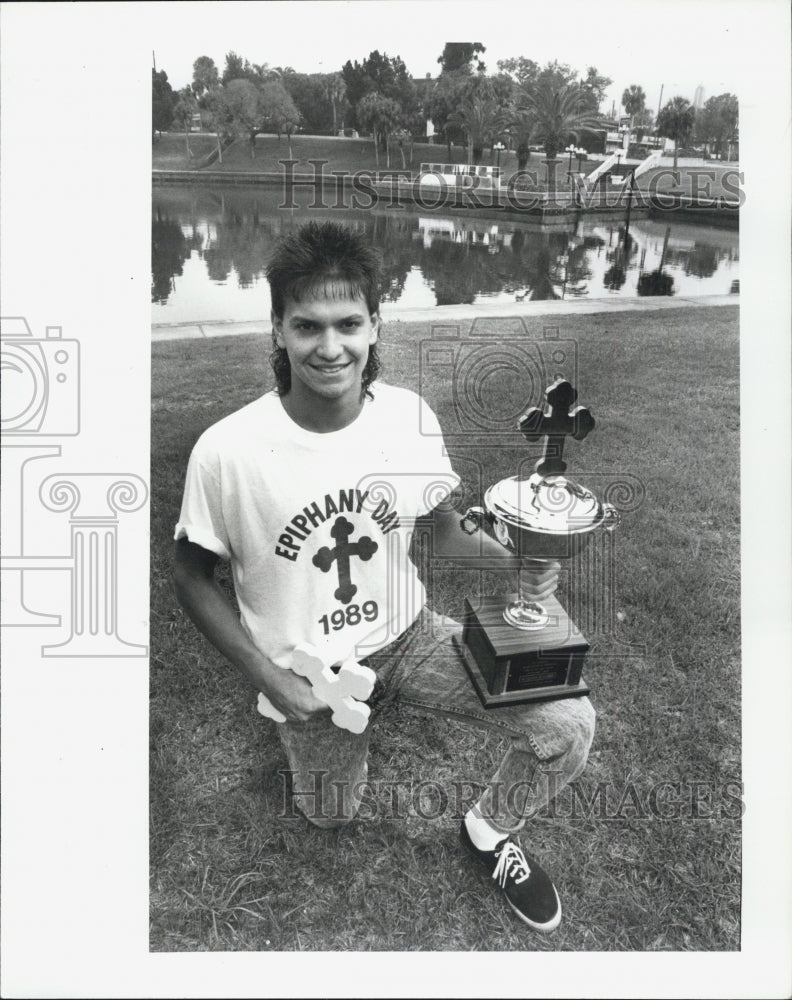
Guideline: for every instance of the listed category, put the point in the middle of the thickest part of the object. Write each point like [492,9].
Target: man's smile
[330,369]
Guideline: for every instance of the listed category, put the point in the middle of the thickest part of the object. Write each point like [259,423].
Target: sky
[676,44]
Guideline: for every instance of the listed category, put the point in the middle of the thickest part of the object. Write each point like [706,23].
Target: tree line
[522,104]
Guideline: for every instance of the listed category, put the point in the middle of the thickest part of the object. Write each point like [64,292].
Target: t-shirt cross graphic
[364,548]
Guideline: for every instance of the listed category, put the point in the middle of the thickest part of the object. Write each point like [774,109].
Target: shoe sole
[542,928]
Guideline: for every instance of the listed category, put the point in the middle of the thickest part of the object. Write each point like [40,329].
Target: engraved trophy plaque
[516,650]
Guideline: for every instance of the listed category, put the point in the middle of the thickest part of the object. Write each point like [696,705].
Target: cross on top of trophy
[557,422]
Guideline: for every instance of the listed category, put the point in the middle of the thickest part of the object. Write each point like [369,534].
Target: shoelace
[511,862]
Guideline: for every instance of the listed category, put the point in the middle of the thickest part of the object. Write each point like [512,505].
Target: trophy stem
[527,615]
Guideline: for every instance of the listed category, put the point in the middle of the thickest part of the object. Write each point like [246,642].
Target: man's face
[327,341]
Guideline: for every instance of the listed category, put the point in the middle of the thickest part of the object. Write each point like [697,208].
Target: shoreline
[536,205]
[201,330]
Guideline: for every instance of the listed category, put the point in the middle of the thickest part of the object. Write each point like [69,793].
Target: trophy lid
[552,504]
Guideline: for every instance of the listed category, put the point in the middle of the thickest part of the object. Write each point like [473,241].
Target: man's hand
[293,696]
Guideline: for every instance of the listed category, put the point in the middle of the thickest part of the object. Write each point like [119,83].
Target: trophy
[517,650]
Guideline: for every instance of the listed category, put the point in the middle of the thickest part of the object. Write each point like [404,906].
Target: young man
[312,493]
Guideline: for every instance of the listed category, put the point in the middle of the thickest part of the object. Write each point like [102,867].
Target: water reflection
[168,254]
[210,249]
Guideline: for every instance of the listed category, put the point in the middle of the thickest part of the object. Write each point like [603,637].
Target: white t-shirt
[317,527]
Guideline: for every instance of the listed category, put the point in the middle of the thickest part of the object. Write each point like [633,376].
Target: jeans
[549,741]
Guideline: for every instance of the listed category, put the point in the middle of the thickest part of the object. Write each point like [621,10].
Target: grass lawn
[705,182]
[633,873]
[169,150]
[169,153]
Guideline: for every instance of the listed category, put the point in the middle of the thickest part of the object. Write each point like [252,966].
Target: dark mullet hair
[323,260]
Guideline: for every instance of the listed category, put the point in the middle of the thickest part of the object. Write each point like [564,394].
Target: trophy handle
[610,517]
[473,520]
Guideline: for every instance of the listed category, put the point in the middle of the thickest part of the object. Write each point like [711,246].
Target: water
[211,245]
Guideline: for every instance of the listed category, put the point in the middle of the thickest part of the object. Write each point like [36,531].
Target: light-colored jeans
[549,745]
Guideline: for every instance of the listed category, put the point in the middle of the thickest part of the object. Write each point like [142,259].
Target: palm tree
[557,116]
[335,89]
[480,117]
[633,99]
[382,115]
[519,124]
[676,121]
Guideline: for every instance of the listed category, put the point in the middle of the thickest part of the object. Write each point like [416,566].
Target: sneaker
[528,889]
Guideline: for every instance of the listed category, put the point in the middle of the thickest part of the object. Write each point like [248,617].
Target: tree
[260,72]
[593,87]
[676,121]
[460,56]
[358,84]
[307,92]
[478,115]
[335,89]
[557,75]
[220,118]
[183,111]
[246,113]
[519,126]
[390,78]
[383,75]
[524,72]
[162,100]
[403,137]
[383,116]
[557,116]
[320,98]
[633,100]
[717,122]
[643,122]
[278,111]
[444,100]
[234,68]
[205,75]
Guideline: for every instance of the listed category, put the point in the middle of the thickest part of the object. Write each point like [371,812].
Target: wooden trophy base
[511,666]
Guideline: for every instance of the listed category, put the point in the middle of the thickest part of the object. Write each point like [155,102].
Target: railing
[604,167]
[649,163]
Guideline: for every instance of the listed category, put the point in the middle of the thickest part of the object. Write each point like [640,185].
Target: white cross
[345,692]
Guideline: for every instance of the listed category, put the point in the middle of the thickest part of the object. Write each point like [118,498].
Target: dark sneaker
[528,889]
